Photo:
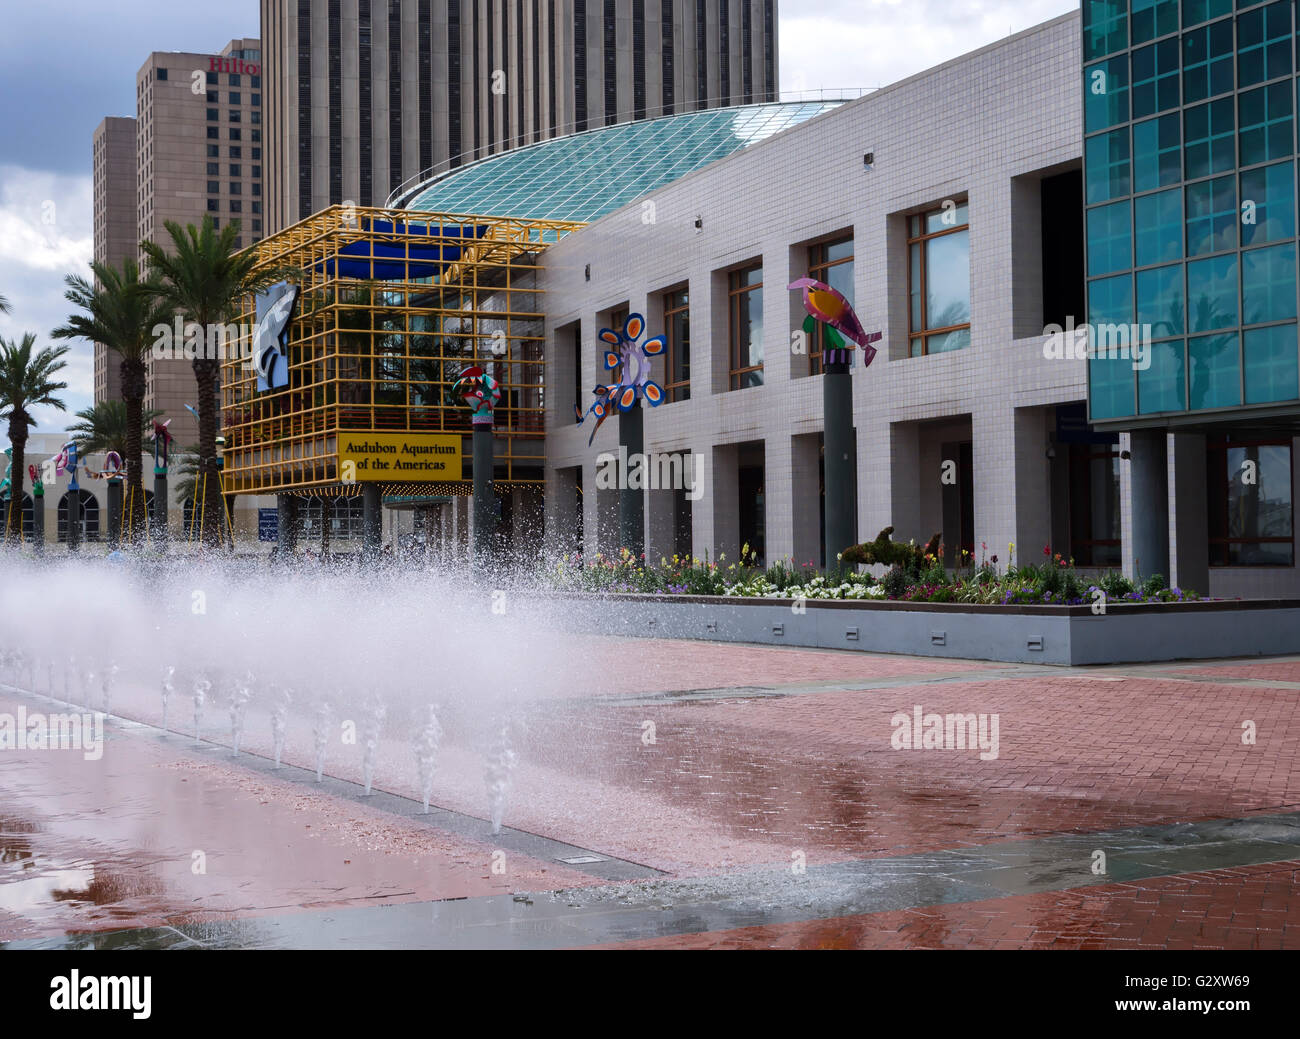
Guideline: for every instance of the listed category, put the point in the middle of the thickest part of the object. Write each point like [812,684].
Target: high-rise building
[116,239]
[364,96]
[1189,160]
[194,148]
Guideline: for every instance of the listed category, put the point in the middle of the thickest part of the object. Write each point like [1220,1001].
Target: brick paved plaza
[758,804]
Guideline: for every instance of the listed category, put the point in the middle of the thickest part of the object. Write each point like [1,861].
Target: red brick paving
[1251,907]
[1277,671]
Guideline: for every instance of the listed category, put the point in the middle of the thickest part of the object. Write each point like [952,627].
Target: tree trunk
[135,514]
[206,373]
[13,520]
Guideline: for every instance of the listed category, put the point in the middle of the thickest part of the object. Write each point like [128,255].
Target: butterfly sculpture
[628,356]
[828,306]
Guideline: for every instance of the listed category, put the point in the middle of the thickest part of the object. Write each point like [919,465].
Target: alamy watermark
[36,731]
[921,731]
[668,471]
[1086,342]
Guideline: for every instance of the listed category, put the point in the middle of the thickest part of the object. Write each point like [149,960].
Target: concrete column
[703,508]
[998,474]
[805,495]
[286,507]
[780,502]
[660,520]
[725,536]
[904,513]
[371,522]
[1033,486]
[1149,466]
[1189,514]
[562,512]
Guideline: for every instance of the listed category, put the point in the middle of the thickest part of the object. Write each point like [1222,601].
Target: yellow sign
[399,457]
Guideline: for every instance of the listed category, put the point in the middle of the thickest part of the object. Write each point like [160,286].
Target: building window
[257,172]
[256,83]
[89,517]
[1105,27]
[234,98]
[213,115]
[257,154]
[234,133]
[831,263]
[938,280]
[1207,61]
[677,361]
[257,227]
[234,79]
[1094,505]
[234,170]
[234,115]
[236,151]
[213,150]
[1264,44]
[236,206]
[214,169]
[162,74]
[257,207]
[1155,78]
[745,326]
[257,100]
[214,206]
[214,97]
[235,188]
[257,188]
[214,187]
[1250,495]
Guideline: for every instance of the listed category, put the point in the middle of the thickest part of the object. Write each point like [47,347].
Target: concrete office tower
[364,95]
[198,145]
[115,227]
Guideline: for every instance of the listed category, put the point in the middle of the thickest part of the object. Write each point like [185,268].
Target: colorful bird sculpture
[829,306]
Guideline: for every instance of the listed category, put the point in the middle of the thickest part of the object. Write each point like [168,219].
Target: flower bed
[1054,582]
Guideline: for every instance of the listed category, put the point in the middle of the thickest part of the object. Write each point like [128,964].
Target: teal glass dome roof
[584,176]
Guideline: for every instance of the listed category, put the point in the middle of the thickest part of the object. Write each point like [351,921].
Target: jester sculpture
[841,331]
[481,393]
[626,355]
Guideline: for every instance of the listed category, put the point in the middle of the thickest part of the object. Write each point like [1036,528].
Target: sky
[65,64]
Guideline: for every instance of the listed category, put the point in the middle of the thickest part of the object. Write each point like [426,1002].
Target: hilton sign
[233,65]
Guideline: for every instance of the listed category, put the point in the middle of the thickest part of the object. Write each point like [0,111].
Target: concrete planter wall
[1065,635]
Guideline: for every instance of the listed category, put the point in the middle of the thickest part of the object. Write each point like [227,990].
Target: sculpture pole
[631,500]
[481,392]
[829,307]
[838,458]
[630,358]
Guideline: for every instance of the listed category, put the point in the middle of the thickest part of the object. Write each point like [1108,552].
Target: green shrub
[887,552]
[1114,584]
[895,582]
[1154,585]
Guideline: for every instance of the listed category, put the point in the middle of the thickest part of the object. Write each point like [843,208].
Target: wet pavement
[759,804]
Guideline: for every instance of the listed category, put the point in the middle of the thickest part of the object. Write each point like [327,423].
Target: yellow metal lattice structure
[393,305]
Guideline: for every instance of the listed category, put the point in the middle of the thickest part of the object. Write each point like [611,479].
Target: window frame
[925,334]
[736,294]
[679,390]
[1216,459]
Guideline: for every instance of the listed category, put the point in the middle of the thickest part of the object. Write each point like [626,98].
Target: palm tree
[103,428]
[121,311]
[25,382]
[206,278]
[4,304]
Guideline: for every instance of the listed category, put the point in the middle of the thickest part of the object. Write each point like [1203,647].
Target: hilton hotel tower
[363,96]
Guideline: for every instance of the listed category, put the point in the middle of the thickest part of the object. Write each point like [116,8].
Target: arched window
[89,517]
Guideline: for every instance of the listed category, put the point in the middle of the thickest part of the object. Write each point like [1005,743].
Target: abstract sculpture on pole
[828,306]
[631,359]
[479,391]
[162,440]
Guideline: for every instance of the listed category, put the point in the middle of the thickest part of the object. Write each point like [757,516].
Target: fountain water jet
[321,731]
[280,721]
[201,687]
[241,692]
[501,764]
[167,688]
[110,676]
[374,721]
[426,754]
